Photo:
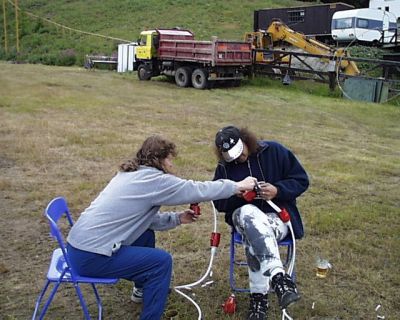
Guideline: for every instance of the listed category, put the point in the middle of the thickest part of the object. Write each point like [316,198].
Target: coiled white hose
[206,274]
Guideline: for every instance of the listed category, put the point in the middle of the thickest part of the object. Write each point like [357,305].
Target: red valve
[196,208]
[284,215]
[214,240]
[229,306]
[249,195]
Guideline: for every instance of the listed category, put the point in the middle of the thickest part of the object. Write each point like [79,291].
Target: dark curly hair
[154,149]
[248,138]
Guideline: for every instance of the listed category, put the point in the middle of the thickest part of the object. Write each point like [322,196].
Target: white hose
[285,315]
[274,206]
[292,261]
[289,224]
[206,274]
[188,286]
[192,301]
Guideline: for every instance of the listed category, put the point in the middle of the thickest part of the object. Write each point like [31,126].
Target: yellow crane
[279,32]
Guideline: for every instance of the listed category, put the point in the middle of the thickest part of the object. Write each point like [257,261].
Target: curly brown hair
[248,138]
[153,151]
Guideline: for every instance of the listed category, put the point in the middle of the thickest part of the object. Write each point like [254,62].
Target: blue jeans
[150,268]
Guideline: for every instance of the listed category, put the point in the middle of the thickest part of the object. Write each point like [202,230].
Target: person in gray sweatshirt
[114,237]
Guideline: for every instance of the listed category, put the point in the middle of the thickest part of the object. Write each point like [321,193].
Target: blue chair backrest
[54,211]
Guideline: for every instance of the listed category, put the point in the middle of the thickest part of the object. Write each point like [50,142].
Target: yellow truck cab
[147,48]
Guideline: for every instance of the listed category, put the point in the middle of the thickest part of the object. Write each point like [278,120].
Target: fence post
[5,26]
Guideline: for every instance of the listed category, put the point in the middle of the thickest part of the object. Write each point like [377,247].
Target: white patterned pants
[261,233]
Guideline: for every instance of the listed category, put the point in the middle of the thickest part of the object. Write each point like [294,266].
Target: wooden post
[16,25]
[5,27]
[332,80]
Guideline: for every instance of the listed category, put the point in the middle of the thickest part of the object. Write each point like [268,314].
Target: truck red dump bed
[179,45]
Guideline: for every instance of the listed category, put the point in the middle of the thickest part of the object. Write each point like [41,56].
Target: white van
[364,25]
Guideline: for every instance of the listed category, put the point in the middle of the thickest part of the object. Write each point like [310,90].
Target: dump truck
[176,54]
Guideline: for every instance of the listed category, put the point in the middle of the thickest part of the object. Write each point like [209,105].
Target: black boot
[285,290]
[258,307]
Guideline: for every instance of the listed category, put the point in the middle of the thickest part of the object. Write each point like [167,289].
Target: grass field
[64,131]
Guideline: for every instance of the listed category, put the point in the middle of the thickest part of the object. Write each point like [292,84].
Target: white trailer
[364,25]
[392,6]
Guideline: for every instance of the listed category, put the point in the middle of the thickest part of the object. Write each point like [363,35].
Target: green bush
[372,53]
[66,58]
[48,59]
[10,55]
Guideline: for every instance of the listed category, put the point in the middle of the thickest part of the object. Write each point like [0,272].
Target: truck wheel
[182,76]
[236,83]
[143,73]
[199,79]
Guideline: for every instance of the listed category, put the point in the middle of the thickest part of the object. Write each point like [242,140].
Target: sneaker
[285,290]
[137,295]
[258,307]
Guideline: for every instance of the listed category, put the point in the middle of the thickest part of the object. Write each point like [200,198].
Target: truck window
[344,23]
[143,40]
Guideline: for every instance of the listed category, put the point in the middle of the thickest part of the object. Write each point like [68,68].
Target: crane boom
[279,32]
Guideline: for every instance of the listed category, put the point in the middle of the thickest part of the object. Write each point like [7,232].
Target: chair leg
[82,300]
[49,300]
[232,265]
[39,300]
[99,304]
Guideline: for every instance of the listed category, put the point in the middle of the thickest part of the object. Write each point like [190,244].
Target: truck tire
[236,83]
[183,77]
[200,79]
[143,72]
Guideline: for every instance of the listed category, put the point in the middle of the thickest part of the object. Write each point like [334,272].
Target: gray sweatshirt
[130,203]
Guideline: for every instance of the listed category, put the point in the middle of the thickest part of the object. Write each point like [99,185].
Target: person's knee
[166,260]
[248,209]
[245,212]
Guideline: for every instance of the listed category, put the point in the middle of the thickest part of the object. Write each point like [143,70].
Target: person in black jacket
[282,179]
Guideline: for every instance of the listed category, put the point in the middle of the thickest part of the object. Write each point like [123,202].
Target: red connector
[230,304]
[249,195]
[284,215]
[196,208]
[215,238]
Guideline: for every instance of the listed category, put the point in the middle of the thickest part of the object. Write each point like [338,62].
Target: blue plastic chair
[236,240]
[60,270]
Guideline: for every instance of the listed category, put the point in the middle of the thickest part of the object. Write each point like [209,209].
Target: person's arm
[170,220]
[228,204]
[294,178]
[175,191]
[165,221]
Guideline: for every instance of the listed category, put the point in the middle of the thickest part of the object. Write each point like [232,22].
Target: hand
[188,216]
[268,191]
[247,184]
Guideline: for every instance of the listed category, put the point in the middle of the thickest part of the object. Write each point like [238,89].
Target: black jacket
[274,164]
